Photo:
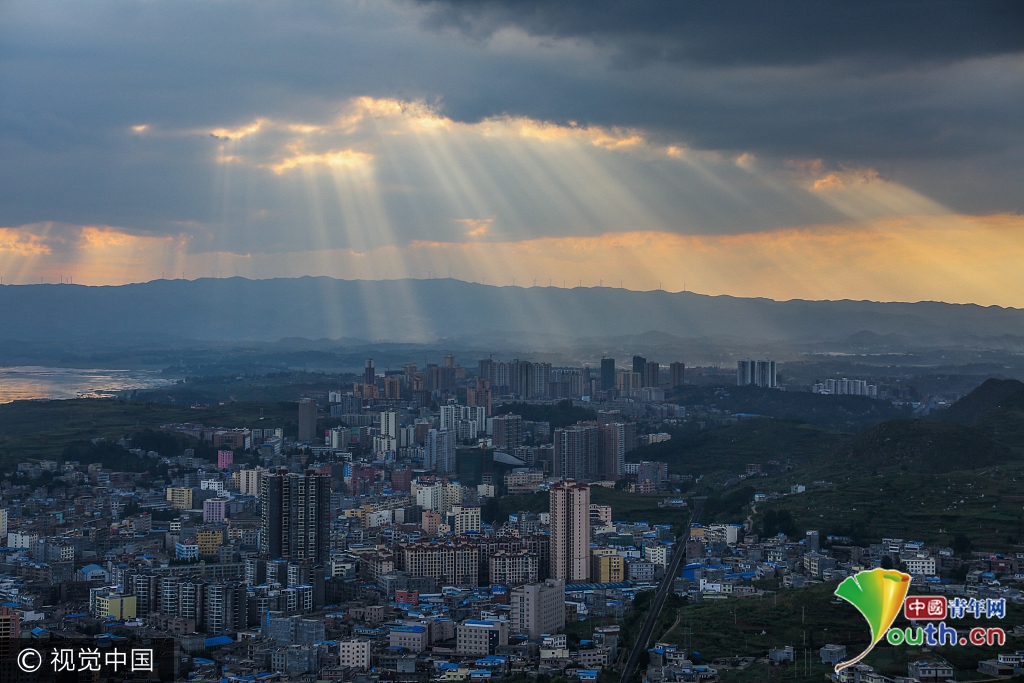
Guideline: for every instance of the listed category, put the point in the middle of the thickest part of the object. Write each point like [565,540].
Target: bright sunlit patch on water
[32,382]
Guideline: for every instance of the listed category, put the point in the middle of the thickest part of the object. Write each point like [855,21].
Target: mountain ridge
[417,311]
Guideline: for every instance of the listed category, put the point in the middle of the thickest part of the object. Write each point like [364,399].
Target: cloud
[751,32]
[19,243]
[276,129]
[476,227]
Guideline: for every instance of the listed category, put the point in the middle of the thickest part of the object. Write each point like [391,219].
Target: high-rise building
[439,451]
[614,440]
[676,375]
[225,607]
[652,374]
[369,372]
[295,516]
[539,608]
[307,419]
[507,432]
[760,373]
[764,374]
[387,440]
[481,395]
[570,531]
[627,381]
[607,374]
[639,363]
[576,449]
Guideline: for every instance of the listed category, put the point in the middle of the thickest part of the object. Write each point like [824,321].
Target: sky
[868,150]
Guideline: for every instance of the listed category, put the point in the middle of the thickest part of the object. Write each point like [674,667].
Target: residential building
[451,563]
[465,519]
[760,373]
[307,419]
[676,375]
[607,374]
[480,638]
[249,481]
[180,497]
[606,566]
[507,432]
[570,531]
[576,449]
[411,637]
[512,568]
[114,606]
[215,510]
[538,608]
[439,451]
[295,516]
[354,653]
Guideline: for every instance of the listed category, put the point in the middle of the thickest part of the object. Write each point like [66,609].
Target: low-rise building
[480,638]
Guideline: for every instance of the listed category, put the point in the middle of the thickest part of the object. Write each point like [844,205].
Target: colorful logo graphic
[925,608]
[878,595]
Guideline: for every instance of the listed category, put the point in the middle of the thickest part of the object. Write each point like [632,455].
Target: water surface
[25,382]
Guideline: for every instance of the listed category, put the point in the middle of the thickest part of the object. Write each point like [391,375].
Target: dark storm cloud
[930,94]
[882,33]
[862,81]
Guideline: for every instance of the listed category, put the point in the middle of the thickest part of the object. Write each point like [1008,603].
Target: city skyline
[868,153]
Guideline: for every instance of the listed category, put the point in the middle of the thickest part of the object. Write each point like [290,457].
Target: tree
[962,544]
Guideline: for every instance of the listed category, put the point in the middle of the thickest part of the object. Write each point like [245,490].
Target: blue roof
[218,640]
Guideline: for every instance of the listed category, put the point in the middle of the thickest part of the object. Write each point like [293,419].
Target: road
[671,572]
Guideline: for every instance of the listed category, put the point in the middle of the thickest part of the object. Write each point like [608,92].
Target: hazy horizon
[512,286]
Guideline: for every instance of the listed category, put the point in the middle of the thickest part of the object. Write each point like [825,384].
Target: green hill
[729,449]
[841,413]
[992,395]
[918,446]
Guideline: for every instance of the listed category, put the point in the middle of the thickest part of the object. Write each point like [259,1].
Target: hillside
[993,394]
[729,449]
[841,413]
[918,446]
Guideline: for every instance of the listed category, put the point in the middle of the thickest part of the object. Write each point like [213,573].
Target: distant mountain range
[417,311]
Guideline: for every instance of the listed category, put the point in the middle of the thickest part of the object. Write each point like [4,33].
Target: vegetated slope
[731,448]
[992,394]
[930,480]
[920,446]
[842,413]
